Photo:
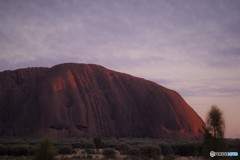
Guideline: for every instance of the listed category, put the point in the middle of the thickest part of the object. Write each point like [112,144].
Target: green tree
[45,151]
[214,134]
[215,122]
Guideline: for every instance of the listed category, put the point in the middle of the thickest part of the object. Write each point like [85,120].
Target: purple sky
[190,46]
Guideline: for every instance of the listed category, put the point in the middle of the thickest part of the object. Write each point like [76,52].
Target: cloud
[180,44]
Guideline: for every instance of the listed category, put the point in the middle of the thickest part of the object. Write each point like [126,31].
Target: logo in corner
[212,154]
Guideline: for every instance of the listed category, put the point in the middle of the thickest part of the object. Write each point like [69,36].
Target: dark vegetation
[45,151]
[97,142]
[214,134]
[109,153]
[144,148]
[123,148]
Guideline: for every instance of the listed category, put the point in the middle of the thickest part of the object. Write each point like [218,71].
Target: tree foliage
[214,134]
[215,122]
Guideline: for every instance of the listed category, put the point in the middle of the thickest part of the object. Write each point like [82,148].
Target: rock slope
[86,100]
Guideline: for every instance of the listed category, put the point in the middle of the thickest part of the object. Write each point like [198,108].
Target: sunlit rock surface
[87,100]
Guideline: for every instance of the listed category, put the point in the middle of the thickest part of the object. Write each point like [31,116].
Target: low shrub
[187,149]
[90,151]
[89,145]
[83,143]
[78,145]
[110,143]
[166,148]
[133,151]
[150,151]
[89,156]
[97,142]
[3,150]
[65,150]
[18,150]
[123,147]
[169,157]
[109,153]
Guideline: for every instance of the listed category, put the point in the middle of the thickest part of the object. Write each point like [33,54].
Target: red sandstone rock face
[89,101]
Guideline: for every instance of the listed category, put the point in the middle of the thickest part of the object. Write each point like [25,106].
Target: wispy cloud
[174,43]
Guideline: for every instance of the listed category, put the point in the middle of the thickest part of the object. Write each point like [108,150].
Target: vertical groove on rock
[89,101]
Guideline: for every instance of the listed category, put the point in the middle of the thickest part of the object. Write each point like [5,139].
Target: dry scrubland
[111,148]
